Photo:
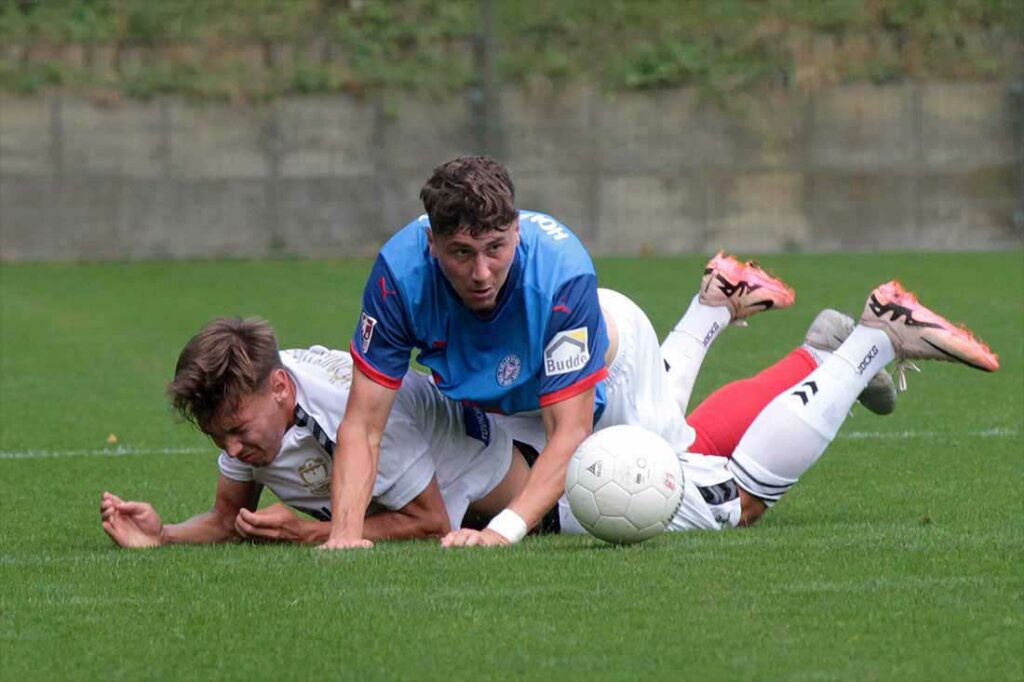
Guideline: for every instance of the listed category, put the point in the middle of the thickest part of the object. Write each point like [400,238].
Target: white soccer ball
[624,484]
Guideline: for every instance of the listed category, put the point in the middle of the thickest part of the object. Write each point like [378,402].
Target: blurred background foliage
[259,49]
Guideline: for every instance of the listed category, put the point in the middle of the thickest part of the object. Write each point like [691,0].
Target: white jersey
[426,435]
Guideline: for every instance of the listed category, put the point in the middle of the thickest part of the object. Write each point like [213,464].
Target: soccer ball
[624,484]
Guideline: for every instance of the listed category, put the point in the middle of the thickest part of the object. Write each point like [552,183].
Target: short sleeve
[233,469]
[574,343]
[382,341]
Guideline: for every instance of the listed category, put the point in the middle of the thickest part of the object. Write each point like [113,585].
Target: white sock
[792,432]
[686,345]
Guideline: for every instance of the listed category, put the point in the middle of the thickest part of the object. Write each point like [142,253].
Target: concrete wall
[856,167]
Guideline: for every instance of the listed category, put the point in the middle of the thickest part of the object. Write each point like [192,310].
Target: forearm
[351,487]
[546,481]
[394,525]
[313,532]
[204,529]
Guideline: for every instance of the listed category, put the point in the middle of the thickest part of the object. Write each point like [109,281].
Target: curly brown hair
[228,359]
[473,193]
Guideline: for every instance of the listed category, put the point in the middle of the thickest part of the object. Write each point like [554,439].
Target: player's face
[252,433]
[476,267]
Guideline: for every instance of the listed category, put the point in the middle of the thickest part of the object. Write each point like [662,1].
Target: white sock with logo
[792,432]
[686,345]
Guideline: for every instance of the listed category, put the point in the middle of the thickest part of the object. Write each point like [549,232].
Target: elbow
[433,525]
[359,434]
[576,434]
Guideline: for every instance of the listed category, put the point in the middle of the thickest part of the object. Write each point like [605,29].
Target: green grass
[897,557]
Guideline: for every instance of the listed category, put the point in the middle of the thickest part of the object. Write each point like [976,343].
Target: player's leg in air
[730,292]
[793,430]
[723,417]
[640,390]
[711,498]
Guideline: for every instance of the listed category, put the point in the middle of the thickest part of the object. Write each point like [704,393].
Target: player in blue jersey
[502,307]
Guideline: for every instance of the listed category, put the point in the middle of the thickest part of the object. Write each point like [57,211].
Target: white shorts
[639,393]
[638,390]
[472,471]
[469,460]
[638,385]
[711,499]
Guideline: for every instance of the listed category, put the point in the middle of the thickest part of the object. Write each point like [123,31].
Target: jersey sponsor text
[567,352]
[548,225]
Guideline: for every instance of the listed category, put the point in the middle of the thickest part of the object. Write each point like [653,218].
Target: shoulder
[318,363]
[406,266]
[550,244]
[322,379]
[553,254]
[408,246]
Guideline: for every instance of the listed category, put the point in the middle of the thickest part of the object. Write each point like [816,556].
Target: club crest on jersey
[508,369]
[315,476]
[366,326]
[567,352]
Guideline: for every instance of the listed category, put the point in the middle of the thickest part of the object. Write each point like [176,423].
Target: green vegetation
[264,48]
[897,557]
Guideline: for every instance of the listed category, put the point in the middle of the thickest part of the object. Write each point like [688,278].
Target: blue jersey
[544,341]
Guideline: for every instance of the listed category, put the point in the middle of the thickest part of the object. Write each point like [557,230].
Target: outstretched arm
[137,524]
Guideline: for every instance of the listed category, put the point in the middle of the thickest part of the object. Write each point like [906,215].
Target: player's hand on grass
[276,523]
[130,524]
[464,537]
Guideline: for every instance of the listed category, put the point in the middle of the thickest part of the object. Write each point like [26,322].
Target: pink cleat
[745,287]
[917,333]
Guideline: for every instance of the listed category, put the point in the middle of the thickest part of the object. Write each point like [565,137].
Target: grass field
[897,557]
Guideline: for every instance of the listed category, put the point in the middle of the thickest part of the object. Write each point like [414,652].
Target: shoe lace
[901,373]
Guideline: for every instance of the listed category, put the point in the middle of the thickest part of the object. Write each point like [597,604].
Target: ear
[431,243]
[280,385]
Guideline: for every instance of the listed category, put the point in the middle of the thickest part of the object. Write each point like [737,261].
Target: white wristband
[509,525]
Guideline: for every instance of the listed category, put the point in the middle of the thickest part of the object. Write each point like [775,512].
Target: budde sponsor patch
[567,352]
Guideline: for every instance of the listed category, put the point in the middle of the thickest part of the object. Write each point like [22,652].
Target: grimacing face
[476,267]
[252,432]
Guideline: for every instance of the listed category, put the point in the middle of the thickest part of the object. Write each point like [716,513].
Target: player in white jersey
[273,415]
[755,438]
